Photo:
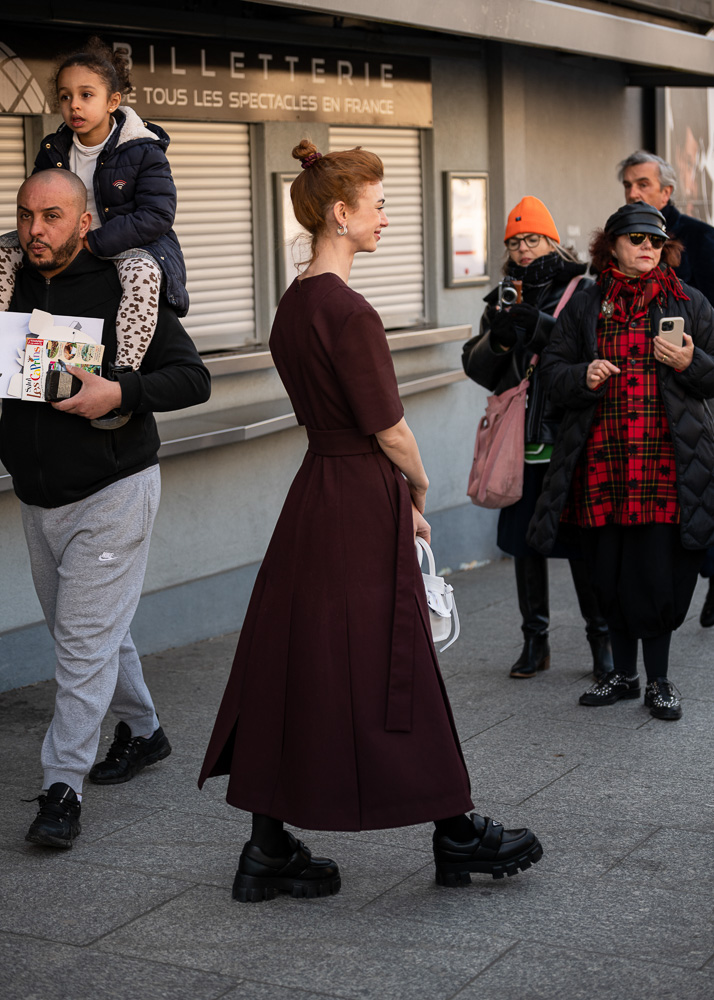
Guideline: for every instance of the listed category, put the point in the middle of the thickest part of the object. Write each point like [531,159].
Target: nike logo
[107,557]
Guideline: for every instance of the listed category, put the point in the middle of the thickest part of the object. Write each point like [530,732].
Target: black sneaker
[57,822]
[128,755]
[611,689]
[260,877]
[662,701]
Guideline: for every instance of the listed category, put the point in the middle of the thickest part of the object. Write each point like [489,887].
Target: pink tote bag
[496,478]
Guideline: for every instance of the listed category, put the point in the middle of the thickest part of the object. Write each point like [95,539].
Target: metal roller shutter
[392,279]
[12,168]
[210,162]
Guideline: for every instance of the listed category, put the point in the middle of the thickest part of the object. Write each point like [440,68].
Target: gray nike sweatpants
[88,563]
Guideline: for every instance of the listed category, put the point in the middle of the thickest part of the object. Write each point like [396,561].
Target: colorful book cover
[43,356]
[16,328]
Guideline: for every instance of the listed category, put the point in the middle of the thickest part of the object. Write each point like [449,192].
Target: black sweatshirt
[57,458]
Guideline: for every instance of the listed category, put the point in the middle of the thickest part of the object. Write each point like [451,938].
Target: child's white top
[82,161]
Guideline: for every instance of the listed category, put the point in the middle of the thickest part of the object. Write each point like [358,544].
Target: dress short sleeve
[364,369]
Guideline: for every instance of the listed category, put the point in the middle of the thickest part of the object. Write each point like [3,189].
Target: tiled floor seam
[140,916]
[464,740]
[548,785]
[394,886]
[474,979]
[634,848]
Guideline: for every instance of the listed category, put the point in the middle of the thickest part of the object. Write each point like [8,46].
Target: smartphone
[671,329]
[60,385]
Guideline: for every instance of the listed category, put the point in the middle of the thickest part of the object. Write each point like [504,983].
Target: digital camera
[509,293]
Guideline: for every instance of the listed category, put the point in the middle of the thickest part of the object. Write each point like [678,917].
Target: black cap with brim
[638,217]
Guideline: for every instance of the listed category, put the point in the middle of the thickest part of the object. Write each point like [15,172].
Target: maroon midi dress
[335,715]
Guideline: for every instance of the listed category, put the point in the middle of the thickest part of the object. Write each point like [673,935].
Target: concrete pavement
[619,908]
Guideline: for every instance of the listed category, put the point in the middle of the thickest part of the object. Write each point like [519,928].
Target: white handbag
[443,616]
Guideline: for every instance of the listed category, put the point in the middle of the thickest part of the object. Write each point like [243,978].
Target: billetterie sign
[229,80]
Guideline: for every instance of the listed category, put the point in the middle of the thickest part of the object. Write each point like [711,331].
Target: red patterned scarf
[625,298]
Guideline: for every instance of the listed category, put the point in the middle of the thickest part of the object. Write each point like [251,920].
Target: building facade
[470,107]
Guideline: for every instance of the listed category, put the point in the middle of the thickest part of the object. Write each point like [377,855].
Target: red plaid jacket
[626,474]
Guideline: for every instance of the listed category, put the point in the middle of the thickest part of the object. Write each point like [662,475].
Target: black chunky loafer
[494,851]
[260,877]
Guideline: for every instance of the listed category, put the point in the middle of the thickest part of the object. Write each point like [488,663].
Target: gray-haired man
[651,179]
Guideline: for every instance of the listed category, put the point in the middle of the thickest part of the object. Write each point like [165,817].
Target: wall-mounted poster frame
[291,240]
[466,224]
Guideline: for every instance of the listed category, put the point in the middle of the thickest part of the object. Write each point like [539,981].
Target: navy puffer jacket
[563,368]
[135,195]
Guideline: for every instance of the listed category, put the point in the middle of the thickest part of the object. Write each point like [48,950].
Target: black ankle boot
[535,656]
[603,664]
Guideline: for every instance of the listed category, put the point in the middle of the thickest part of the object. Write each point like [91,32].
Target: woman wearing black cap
[633,464]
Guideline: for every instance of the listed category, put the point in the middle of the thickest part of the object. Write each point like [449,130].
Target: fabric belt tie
[341,443]
[349,441]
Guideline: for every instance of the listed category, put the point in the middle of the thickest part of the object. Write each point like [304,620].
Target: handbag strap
[456,626]
[424,547]
[565,297]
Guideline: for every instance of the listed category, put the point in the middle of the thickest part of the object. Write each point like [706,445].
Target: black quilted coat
[563,365]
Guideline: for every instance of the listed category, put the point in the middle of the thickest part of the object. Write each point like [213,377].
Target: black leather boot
[595,624]
[532,587]
[706,618]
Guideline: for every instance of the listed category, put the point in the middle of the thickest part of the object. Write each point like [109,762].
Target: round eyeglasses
[531,240]
[657,242]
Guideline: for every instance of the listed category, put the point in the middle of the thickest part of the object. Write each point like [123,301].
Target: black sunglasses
[657,242]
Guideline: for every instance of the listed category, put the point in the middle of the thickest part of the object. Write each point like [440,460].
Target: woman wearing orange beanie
[544,274]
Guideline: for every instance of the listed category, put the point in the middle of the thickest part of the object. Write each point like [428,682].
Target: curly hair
[110,66]
[602,247]
[337,176]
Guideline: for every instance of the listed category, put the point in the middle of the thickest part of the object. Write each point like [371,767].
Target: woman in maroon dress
[335,715]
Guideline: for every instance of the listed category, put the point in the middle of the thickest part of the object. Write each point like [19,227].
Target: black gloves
[526,317]
[510,325]
[503,330]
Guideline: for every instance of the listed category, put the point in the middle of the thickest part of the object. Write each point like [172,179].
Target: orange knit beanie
[531,216]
